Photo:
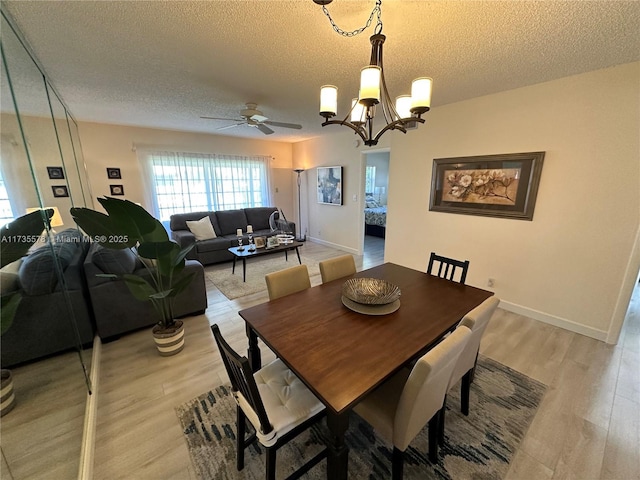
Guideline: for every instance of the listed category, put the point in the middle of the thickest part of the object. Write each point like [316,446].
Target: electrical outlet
[490,282]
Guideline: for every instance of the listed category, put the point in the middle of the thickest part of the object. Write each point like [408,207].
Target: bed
[375,218]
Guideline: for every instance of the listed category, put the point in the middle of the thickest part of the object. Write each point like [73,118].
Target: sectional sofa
[56,315]
[213,248]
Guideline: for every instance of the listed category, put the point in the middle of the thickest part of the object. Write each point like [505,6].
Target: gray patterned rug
[232,286]
[480,446]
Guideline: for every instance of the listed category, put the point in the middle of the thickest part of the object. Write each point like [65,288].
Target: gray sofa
[116,310]
[48,319]
[225,223]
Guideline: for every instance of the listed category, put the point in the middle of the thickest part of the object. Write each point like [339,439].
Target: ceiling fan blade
[230,126]
[220,118]
[285,125]
[264,129]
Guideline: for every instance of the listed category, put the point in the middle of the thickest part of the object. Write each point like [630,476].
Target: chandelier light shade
[328,100]
[370,85]
[373,98]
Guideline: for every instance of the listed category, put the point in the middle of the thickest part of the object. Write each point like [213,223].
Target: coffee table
[258,252]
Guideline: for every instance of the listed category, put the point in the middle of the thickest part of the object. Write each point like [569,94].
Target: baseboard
[85,472]
[352,251]
[555,321]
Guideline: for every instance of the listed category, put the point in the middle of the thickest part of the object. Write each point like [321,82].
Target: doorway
[376,188]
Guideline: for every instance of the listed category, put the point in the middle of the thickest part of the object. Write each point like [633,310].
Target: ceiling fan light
[357,112]
[403,106]
[421,95]
[328,100]
[370,85]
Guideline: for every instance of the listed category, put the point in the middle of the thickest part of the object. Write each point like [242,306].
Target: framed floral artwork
[490,185]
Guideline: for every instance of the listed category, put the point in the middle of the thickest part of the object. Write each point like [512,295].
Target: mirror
[41,165]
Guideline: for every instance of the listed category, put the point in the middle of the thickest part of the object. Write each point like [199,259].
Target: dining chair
[476,320]
[403,405]
[447,267]
[287,281]
[276,403]
[337,267]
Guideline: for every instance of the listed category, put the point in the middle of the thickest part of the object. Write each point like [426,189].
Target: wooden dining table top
[340,354]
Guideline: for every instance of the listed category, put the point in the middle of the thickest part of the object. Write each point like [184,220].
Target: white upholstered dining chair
[287,281]
[476,320]
[400,407]
[276,403]
[337,267]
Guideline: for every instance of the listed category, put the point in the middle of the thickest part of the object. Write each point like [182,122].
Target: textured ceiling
[164,64]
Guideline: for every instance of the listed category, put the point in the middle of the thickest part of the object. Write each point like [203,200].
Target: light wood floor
[587,427]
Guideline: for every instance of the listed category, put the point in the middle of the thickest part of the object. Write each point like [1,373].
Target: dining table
[340,354]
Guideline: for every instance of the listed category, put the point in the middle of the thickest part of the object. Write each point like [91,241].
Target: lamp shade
[421,94]
[328,100]
[403,106]
[357,112]
[370,85]
[56,220]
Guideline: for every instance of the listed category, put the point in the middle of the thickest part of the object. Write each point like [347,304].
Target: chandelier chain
[376,11]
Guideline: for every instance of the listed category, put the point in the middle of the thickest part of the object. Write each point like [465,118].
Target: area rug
[480,446]
[232,286]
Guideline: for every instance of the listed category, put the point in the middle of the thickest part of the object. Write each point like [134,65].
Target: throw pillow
[202,229]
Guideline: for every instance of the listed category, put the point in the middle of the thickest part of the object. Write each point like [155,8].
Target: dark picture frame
[260,242]
[330,185]
[504,185]
[114,173]
[116,189]
[60,190]
[55,173]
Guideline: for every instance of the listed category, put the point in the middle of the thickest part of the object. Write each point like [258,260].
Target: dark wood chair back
[447,267]
[242,379]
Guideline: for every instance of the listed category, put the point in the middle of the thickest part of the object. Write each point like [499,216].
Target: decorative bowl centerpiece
[372,296]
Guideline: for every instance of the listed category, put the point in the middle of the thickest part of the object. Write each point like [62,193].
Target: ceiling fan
[253,117]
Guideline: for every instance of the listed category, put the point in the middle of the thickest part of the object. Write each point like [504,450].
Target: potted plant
[128,225]
[16,238]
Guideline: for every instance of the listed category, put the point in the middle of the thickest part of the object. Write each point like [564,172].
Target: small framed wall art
[114,173]
[60,191]
[116,189]
[260,242]
[330,185]
[490,185]
[55,173]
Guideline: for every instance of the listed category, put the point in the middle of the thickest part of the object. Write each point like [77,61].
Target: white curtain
[190,182]
[17,179]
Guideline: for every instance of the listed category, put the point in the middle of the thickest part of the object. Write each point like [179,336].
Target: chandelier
[373,96]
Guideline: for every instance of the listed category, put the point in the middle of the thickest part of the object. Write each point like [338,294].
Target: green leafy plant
[128,225]
[16,238]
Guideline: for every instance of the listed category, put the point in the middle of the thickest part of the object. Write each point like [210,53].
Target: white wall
[112,146]
[337,226]
[571,265]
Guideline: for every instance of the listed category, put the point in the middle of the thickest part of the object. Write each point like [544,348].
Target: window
[370,179]
[192,182]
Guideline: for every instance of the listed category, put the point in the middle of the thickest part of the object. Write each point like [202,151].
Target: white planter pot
[169,342]
[7,397]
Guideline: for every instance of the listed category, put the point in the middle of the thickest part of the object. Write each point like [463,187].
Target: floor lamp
[300,237]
